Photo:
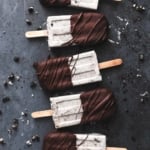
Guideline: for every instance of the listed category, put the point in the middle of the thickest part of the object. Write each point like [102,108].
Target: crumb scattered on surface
[6,99]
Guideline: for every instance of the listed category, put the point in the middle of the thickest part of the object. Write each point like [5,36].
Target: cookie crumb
[33,85]
[5,99]
[16,59]
[31,10]
[28,143]
[28,22]
[2,141]
[35,138]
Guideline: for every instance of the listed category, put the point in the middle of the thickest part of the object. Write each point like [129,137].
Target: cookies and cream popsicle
[94,105]
[78,29]
[65,72]
[88,4]
[69,141]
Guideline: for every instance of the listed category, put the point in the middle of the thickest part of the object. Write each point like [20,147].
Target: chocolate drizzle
[48,3]
[97,105]
[55,74]
[88,28]
[59,141]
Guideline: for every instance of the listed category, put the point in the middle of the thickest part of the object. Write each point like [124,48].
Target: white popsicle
[76,29]
[84,69]
[59,30]
[67,110]
[88,4]
[72,110]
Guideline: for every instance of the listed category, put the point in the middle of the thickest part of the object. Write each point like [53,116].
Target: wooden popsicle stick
[115,148]
[110,63]
[36,34]
[42,114]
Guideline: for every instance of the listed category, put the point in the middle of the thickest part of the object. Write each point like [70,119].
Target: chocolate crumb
[10,131]
[141,57]
[140,8]
[15,124]
[5,99]
[17,77]
[35,138]
[31,10]
[134,5]
[5,83]
[16,59]
[10,82]
[2,141]
[28,22]
[28,143]
[24,114]
[33,85]
[11,77]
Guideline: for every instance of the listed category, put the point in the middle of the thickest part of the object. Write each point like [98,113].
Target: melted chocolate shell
[97,105]
[59,141]
[88,29]
[54,73]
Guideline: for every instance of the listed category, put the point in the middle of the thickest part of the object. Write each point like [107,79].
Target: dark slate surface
[129,127]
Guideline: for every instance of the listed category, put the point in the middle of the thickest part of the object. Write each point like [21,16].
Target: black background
[129,127]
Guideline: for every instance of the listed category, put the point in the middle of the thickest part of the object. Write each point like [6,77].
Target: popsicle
[97,104]
[77,29]
[65,72]
[89,4]
[69,141]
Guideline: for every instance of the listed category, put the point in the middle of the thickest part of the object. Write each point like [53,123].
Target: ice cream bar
[65,72]
[69,141]
[89,106]
[77,29]
[89,4]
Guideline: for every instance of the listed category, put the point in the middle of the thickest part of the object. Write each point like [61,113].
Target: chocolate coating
[54,73]
[59,141]
[88,28]
[48,3]
[97,104]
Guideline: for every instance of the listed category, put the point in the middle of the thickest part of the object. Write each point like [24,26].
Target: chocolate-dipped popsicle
[89,4]
[66,72]
[69,141]
[77,29]
[69,110]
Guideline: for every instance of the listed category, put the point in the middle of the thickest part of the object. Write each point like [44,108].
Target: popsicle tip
[120,61]
[27,34]
[33,115]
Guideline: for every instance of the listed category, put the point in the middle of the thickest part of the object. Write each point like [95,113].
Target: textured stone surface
[129,127]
